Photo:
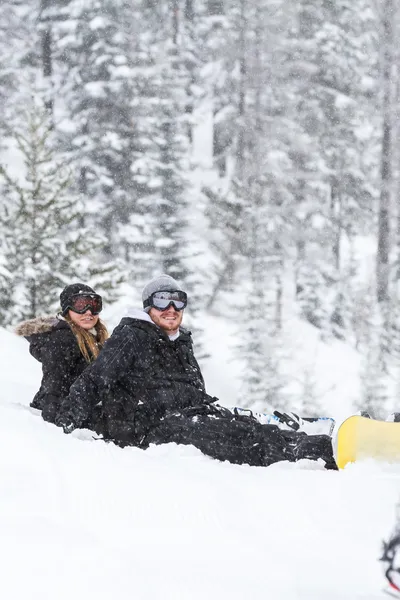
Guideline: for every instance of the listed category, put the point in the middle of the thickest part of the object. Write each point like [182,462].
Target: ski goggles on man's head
[80,303]
[163,300]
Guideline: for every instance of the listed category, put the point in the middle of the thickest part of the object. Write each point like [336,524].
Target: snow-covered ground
[83,520]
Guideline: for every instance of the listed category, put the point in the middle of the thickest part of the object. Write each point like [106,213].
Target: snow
[83,519]
[95,89]
[98,23]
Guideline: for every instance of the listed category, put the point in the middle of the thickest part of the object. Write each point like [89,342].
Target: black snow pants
[239,439]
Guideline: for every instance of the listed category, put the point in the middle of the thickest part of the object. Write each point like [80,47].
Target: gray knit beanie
[162,283]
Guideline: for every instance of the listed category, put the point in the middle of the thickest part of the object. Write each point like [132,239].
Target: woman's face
[86,321]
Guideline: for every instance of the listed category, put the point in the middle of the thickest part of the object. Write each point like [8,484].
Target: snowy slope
[85,520]
[333,368]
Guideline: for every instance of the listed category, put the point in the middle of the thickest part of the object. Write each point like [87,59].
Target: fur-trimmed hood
[36,326]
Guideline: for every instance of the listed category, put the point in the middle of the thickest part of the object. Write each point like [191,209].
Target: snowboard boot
[364,413]
[315,447]
[393,417]
[311,447]
[391,560]
[290,419]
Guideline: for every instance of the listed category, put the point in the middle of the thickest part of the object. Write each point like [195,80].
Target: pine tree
[311,297]
[226,195]
[261,349]
[334,60]
[171,204]
[43,247]
[99,133]
[6,298]
[17,42]
[309,403]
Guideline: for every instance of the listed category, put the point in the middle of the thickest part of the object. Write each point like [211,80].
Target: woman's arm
[59,356]
[114,360]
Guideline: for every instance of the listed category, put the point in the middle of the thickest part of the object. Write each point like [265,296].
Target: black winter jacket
[54,345]
[139,376]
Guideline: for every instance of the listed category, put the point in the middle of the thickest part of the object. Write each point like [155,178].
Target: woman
[65,345]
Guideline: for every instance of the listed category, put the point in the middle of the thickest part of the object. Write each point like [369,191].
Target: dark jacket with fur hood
[52,343]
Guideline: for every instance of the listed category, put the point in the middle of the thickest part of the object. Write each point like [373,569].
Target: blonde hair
[89,345]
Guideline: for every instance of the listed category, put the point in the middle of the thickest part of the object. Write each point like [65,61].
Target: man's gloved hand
[66,423]
[210,399]
[68,427]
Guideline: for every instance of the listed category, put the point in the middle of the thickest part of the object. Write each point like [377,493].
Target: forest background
[249,148]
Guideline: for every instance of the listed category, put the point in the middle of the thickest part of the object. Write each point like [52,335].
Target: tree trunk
[215,7]
[175,21]
[46,52]
[189,12]
[397,163]
[190,42]
[382,263]
[240,153]
[336,218]
[83,191]
[279,289]
[300,258]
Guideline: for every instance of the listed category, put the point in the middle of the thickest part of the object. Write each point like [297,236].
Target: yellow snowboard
[360,437]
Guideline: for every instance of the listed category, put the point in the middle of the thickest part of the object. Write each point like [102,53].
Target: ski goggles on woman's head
[163,300]
[80,303]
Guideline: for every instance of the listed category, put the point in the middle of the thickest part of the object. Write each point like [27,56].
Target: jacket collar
[140,317]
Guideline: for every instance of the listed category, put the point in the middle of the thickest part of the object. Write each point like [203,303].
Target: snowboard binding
[290,419]
[391,556]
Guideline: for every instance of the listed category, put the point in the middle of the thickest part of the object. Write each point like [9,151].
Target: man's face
[168,320]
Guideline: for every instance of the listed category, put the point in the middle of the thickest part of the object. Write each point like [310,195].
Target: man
[152,391]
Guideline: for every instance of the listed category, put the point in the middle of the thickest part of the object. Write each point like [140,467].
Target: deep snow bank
[86,520]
